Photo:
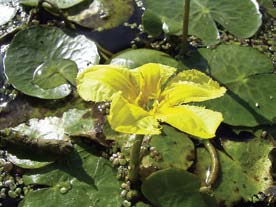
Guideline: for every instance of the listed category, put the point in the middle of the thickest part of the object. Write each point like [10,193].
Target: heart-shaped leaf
[39,45]
[241,18]
[248,76]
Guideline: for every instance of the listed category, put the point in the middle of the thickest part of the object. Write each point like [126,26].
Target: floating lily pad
[6,13]
[62,4]
[175,150]
[174,187]
[244,174]
[133,58]
[102,14]
[82,180]
[241,18]
[41,45]
[248,76]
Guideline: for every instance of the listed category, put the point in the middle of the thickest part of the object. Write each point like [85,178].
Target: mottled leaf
[245,169]
[101,14]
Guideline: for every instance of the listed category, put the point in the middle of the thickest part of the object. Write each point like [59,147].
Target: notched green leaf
[55,73]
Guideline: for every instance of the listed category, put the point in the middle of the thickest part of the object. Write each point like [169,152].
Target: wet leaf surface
[37,45]
[83,179]
[244,174]
[248,76]
[174,187]
[101,14]
[174,148]
[73,123]
[241,18]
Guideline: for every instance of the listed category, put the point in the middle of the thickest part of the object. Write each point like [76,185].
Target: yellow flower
[143,97]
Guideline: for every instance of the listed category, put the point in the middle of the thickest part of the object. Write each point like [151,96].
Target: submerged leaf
[244,173]
[41,45]
[101,14]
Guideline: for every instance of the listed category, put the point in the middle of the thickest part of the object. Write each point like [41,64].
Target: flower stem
[135,159]
[211,179]
[185,26]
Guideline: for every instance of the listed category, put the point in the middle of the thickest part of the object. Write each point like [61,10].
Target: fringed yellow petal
[191,86]
[152,77]
[99,83]
[194,120]
[130,118]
